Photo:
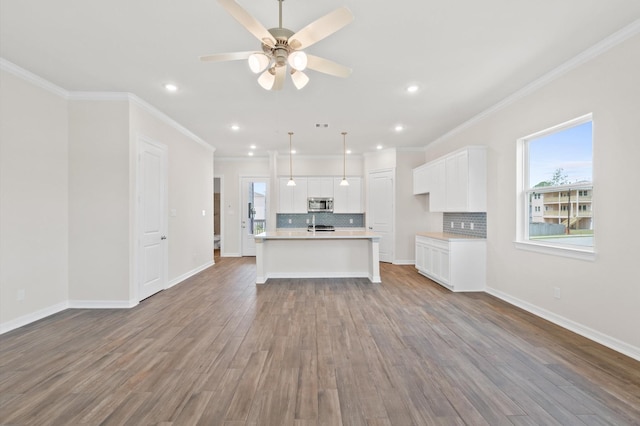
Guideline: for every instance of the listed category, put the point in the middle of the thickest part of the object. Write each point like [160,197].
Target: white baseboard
[226,254]
[180,278]
[589,333]
[303,275]
[33,317]
[404,262]
[102,304]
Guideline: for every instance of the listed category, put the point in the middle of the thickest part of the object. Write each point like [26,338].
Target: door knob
[371,227]
[163,238]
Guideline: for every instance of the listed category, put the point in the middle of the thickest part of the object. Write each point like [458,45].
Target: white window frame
[522,207]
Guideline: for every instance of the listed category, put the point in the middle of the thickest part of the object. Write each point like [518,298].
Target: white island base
[339,254]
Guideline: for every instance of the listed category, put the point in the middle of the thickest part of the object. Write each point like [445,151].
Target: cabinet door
[285,201]
[444,267]
[421,179]
[457,182]
[340,197]
[347,199]
[420,257]
[437,186]
[299,197]
[320,187]
[355,204]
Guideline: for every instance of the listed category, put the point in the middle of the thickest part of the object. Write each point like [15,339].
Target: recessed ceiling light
[348,151]
[235,127]
[171,87]
[413,88]
[252,147]
[399,128]
[293,151]
[250,153]
[379,147]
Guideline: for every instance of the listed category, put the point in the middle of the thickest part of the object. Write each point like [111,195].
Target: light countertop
[447,236]
[318,235]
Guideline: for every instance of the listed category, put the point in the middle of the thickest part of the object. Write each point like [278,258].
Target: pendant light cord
[344,156]
[290,158]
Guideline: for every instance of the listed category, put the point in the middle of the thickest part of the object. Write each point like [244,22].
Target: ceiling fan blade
[281,73]
[328,67]
[321,28]
[221,57]
[249,22]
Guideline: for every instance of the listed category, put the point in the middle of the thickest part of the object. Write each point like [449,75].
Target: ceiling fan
[281,46]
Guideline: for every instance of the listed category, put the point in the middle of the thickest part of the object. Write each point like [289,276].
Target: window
[556,173]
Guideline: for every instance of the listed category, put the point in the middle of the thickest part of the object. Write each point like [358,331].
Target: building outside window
[556,187]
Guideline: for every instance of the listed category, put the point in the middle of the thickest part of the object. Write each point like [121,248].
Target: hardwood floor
[219,350]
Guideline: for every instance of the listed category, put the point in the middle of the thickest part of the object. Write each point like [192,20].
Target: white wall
[321,165]
[67,197]
[410,209]
[33,200]
[232,170]
[190,191]
[600,299]
[99,246]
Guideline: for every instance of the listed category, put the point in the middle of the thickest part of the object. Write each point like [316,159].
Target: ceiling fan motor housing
[280,52]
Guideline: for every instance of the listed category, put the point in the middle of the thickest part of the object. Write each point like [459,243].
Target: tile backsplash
[462,223]
[339,220]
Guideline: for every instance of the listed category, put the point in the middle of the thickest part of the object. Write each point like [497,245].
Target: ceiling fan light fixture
[258,62]
[267,79]
[298,60]
[299,79]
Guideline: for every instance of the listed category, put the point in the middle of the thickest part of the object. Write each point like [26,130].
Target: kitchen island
[303,254]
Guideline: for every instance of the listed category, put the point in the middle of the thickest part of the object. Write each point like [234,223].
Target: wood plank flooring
[219,350]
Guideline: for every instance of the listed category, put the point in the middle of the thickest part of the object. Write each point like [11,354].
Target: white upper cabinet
[456,182]
[437,177]
[421,179]
[293,199]
[347,199]
[320,187]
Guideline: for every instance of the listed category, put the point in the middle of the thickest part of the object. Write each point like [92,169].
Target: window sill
[556,250]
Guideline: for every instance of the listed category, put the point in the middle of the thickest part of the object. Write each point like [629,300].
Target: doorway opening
[254,212]
[217,217]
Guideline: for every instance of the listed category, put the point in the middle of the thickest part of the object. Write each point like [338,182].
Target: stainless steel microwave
[315,205]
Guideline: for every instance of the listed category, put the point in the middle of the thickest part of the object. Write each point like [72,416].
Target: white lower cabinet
[458,264]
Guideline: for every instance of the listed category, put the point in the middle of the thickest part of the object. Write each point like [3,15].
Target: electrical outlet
[462,225]
[289,220]
[20,295]
[556,292]
[351,221]
[307,221]
[471,226]
[204,212]
[451,225]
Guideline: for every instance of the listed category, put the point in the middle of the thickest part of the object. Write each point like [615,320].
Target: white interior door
[254,212]
[152,222]
[380,214]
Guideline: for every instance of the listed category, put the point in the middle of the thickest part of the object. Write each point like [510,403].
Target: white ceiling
[466,55]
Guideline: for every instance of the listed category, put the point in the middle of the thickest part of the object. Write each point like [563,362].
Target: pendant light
[291,181]
[344,181]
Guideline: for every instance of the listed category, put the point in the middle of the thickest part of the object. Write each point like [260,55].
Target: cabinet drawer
[433,242]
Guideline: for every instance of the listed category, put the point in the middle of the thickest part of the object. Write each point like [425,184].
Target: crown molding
[38,81]
[32,78]
[585,56]
[168,120]
[411,149]
[255,158]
